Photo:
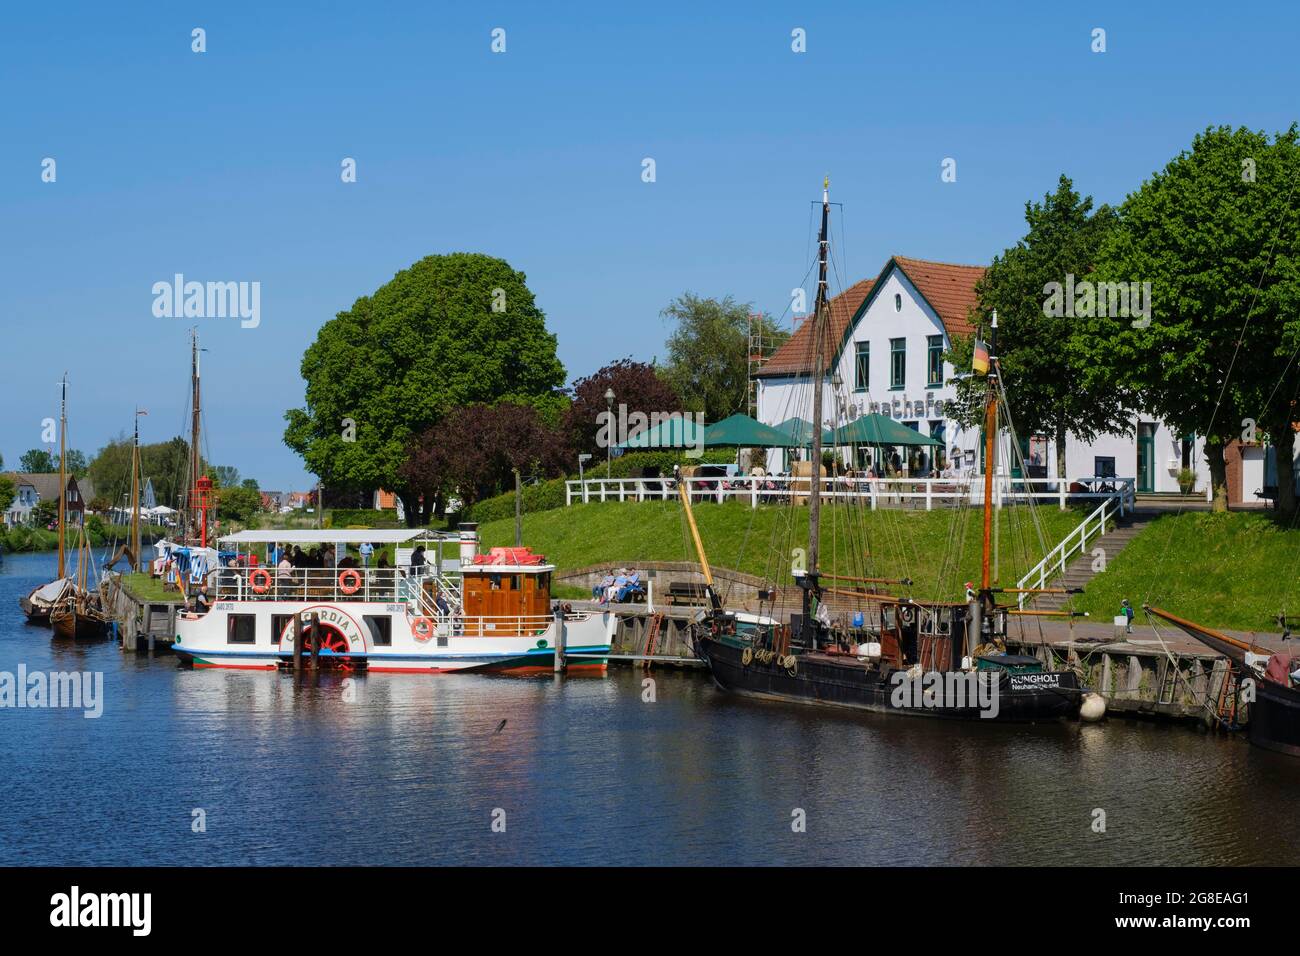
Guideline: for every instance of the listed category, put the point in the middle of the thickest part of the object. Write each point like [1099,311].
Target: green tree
[8,490]
[225,476]
[74,462]
[46,512]
[1048,383]
[449,331]
[38,461]
[165,463]
[708,353]
[236,503]
[250,483]
[1217,234]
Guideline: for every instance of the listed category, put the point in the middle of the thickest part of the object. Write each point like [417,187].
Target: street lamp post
[609,445]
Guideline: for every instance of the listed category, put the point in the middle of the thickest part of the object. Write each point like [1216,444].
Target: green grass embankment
[938,549]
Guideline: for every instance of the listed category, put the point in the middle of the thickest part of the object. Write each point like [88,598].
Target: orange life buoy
[349,575]
[422,628]
[259,580]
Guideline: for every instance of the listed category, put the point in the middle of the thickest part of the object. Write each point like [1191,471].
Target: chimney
[468,541]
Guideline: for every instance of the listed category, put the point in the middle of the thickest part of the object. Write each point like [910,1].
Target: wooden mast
[810,578]
[63,481]
[135,496]
[990,456]
[196,405]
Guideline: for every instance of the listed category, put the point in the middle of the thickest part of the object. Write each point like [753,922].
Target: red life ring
[259,575]
[349,575]
[422,628]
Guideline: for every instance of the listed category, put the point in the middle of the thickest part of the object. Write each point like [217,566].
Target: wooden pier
[142,626]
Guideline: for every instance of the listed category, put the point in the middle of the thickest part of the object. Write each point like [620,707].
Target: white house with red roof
[886,340]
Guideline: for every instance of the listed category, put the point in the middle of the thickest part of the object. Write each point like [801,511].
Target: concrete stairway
[1079,571]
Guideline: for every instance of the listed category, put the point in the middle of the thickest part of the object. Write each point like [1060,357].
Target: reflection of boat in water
[920,658]
[474,612]
[1275,711]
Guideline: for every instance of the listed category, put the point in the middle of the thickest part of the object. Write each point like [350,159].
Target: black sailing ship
[920,658]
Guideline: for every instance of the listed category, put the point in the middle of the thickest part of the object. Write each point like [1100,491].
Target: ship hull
[76,626]
[843,681]
[1275,718]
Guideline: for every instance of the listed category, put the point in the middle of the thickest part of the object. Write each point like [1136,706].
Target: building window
[381,629]
[934,367]
[897,363]
[862,367]
[898,302]
[279,624]
[241,629]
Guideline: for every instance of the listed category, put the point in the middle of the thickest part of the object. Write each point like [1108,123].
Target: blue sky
[225,165]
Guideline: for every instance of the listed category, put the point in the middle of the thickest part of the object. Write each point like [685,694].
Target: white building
[887,337]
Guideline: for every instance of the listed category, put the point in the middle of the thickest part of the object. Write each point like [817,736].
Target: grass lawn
[1235,570]
[146,588]
[938,549]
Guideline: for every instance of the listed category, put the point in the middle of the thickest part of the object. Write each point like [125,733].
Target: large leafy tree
[708,353]
[166,464]
[475,450]
[635,385]
[1051,392]
[447,332]
[1217,233]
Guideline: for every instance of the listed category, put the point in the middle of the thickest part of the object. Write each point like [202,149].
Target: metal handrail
[1067,547]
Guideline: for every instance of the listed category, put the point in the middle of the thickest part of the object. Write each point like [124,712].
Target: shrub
[361,517]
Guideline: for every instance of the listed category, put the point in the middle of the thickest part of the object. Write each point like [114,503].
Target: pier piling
[297,643]
[559,640]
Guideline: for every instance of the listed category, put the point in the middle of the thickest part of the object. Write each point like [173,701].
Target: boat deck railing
[388,585]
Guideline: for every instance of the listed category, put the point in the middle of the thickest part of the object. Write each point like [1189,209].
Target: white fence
[880,492]
[1053,563]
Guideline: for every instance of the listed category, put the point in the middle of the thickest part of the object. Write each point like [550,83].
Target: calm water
[412,771]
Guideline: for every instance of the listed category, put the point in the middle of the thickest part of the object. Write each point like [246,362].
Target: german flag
[981,361]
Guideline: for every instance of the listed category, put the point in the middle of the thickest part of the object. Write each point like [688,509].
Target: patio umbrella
[878,430]
[676,432]
[741,431]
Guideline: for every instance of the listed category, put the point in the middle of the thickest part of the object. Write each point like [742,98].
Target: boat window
[279,623]
[515,584]
[381,629]
[241,629]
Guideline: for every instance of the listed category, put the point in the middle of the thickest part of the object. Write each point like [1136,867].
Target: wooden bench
[687,592]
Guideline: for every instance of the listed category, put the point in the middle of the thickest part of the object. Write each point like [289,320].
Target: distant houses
[35,487]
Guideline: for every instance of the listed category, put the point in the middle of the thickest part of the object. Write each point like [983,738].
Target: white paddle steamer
[458,610]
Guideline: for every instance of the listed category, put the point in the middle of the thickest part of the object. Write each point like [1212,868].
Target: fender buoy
[259,580]
[349,581]
[906,615]
[422,628]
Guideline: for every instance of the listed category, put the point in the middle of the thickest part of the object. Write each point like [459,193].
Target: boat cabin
[506,583]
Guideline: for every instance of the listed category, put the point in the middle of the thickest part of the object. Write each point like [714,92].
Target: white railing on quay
[880,492]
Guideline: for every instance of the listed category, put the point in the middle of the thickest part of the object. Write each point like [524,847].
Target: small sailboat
[38,604]
[80,614]
[899,655]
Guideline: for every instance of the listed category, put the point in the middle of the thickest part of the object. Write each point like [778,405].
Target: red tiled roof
[795,356]
[950,290]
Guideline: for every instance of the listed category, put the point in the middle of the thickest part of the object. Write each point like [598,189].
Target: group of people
[617,586]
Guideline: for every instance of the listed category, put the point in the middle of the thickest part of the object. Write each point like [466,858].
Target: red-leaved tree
[635,385]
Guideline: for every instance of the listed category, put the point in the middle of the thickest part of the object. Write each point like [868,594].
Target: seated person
[202,604]
[632,587]
[597,593]
[611,592]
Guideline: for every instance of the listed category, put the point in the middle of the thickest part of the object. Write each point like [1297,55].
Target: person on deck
[285,567]
[366,549]
[202,604]
[417,562]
